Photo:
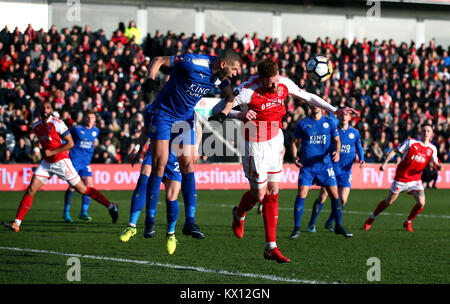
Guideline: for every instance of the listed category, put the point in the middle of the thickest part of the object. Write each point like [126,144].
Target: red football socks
[248,201]
[270,215]
[415,212]
[95,194]
[25,205]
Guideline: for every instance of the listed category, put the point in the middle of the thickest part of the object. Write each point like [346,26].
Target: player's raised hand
[297,162]
[345,110]
[383,167]
[132,157]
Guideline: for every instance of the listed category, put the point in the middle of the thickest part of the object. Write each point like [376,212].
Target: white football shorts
[63,169]
[263,161]
[412,186]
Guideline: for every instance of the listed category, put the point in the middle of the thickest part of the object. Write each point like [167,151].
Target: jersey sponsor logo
[318,139]
[326,125]
[272,103]
[196,90]
[345,149]
[85,144]
[418,158]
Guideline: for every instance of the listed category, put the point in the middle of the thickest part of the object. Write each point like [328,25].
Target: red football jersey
[50,135]
[416,156]
[269,107]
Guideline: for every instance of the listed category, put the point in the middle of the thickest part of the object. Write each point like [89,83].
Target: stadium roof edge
[421,9]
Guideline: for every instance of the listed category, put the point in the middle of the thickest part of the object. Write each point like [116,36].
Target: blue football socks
[68,197]
[299,205]
[172,215]
[190,196]
[317,207]
[153,185]
[138,199]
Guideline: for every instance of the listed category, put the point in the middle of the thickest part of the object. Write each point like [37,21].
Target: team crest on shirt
[351,136]
[94,133]
[280,91]
[429,152]
[326,125]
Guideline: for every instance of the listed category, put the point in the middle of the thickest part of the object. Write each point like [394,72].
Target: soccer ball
[319,68]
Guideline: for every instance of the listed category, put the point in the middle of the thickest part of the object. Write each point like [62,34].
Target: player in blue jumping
[192,76]
[315,133]
[172,184]
[84,137]
[350,145]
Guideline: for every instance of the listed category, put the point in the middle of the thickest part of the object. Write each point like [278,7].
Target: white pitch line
[166,265]
[343,211]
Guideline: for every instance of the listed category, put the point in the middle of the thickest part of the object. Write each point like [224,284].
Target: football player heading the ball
[261,99]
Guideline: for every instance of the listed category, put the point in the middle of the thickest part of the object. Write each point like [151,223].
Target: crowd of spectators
[395,88]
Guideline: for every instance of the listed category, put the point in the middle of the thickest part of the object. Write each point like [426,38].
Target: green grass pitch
[39,252]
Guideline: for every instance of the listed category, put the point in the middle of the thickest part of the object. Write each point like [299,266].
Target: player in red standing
[51,131]
[416,155]
[261,99]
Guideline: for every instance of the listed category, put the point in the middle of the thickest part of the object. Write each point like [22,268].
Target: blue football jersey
[83,149]
[191,78]
[316,137]
[350,145]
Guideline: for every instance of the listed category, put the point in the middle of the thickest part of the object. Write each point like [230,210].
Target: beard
[222,74]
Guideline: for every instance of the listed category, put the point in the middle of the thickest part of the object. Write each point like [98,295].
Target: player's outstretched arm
[66,147]
[317,101]
[389,156]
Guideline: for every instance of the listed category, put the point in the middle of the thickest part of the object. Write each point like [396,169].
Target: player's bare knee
[186,164]
[30,191]
[81,188]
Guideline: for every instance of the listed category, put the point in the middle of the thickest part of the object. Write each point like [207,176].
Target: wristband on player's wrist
[137,148]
